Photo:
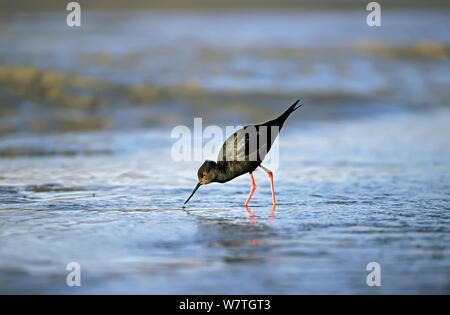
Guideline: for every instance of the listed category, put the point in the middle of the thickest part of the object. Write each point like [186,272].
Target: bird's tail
[286,114]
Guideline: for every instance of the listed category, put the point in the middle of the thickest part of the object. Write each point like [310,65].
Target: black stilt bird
[242,153]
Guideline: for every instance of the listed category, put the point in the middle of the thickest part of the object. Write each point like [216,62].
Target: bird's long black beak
[195,189]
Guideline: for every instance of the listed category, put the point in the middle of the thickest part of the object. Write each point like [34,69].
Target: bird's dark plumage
[243,151]
[238,156]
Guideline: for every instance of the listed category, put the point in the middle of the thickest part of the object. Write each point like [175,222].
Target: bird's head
[206,174]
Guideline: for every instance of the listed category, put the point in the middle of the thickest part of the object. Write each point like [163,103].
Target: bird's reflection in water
[252,221]
[251,216]
[232,237]
[272,215]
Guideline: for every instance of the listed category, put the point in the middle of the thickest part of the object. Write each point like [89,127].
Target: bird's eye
[204,174]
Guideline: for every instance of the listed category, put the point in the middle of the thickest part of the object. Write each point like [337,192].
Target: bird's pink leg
[269,172]
[251,191]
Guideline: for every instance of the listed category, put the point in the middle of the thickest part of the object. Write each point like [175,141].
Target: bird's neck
[222,175]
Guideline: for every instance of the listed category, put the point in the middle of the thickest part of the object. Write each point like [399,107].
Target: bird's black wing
[239,154]
[250,143]
[279,121]
[248,146]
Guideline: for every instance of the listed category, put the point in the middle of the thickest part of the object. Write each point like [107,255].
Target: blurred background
[85,168]
[143,64]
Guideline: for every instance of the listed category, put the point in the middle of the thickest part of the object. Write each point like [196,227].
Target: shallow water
[348,194]
[86,173]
